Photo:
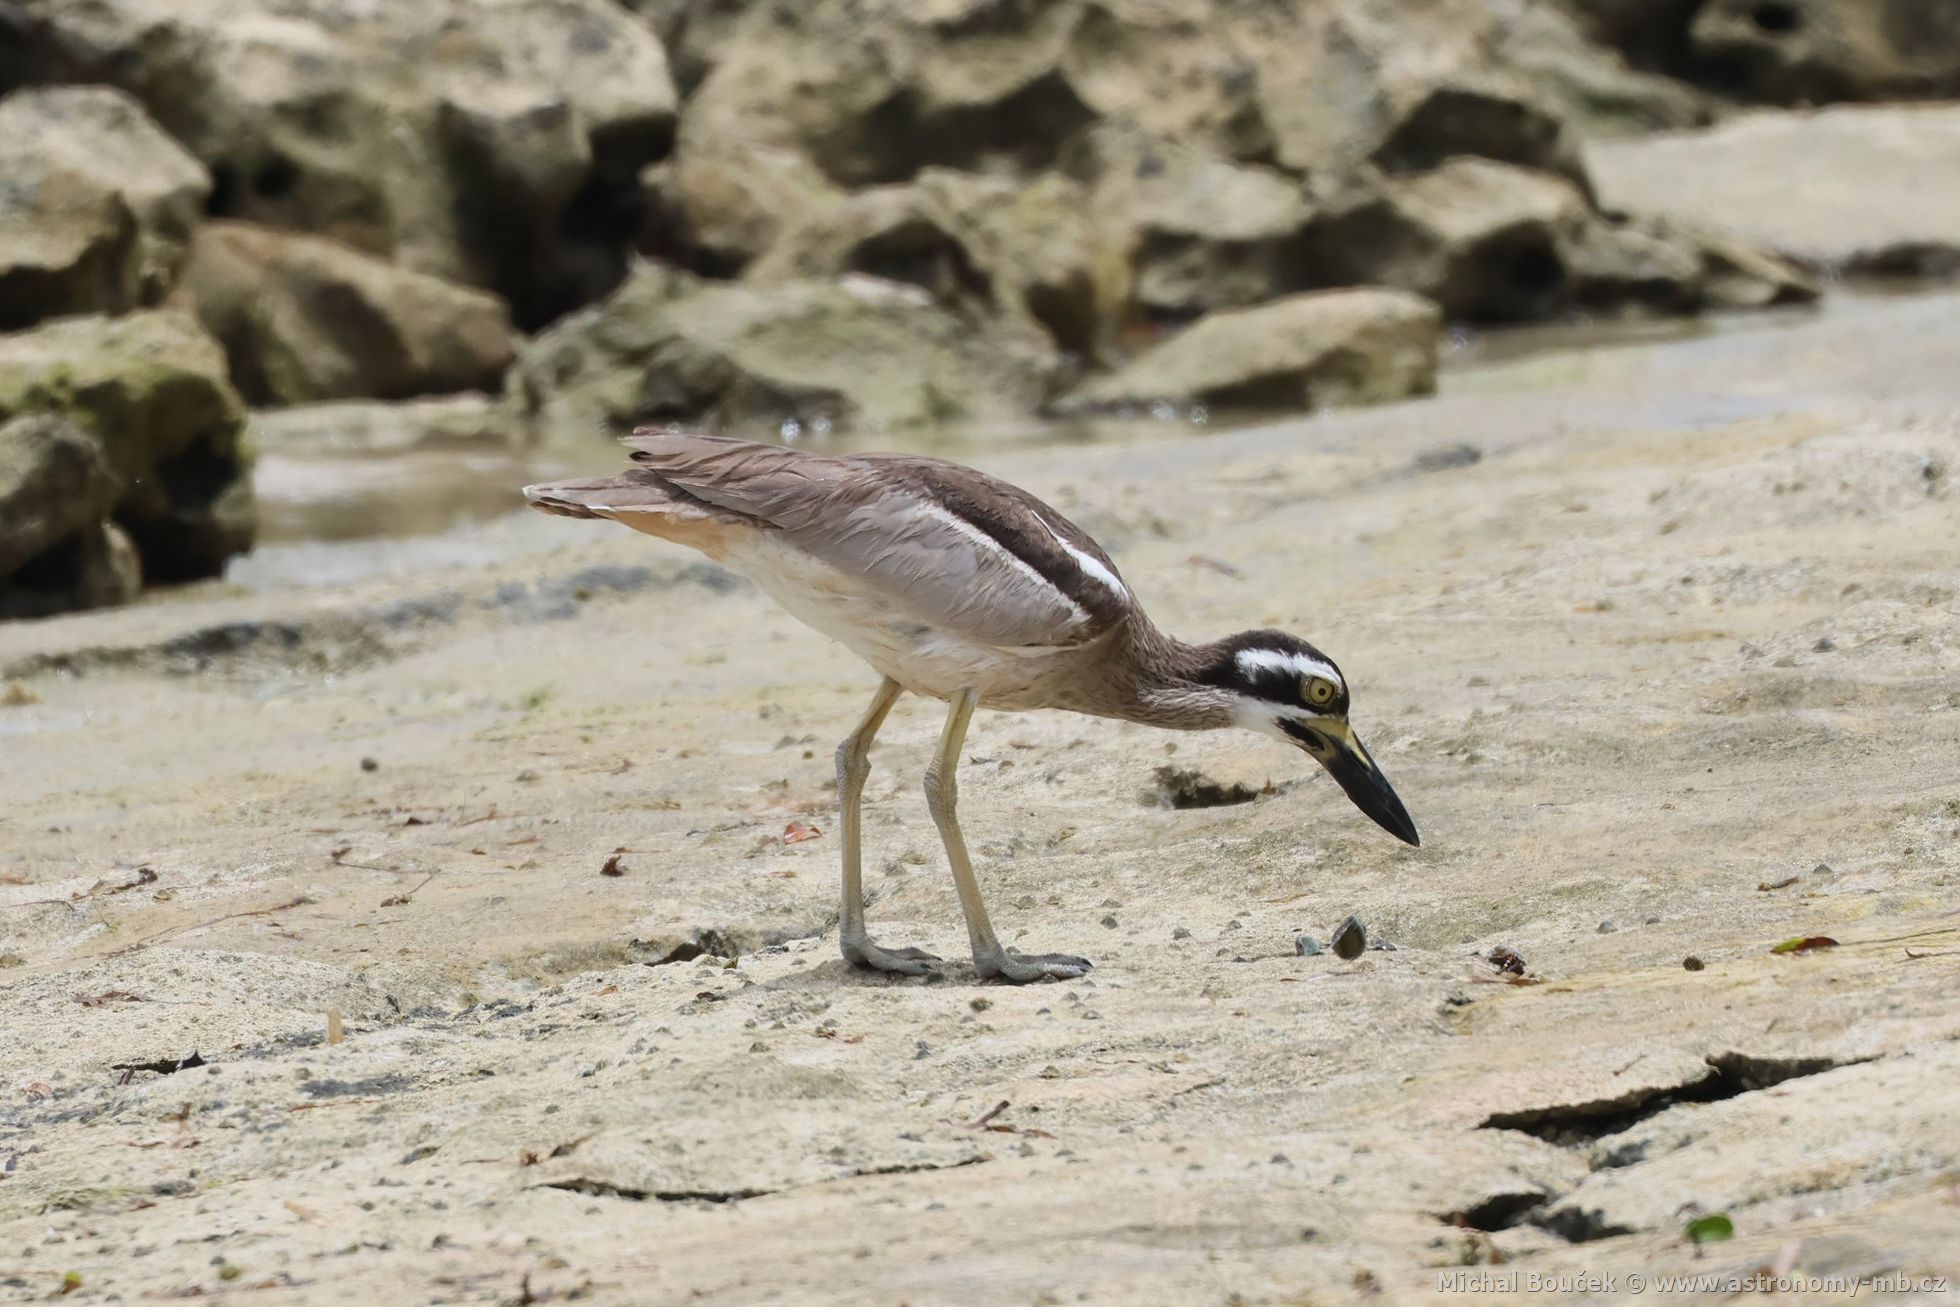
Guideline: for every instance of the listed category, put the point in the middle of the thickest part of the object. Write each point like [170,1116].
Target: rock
[989,246]
[719,209]
[54,480]
[856,351]
[695,32]
[1489,114]
[304,319]
[150,388]
[1305,351]
[871,92]
[1484,240]
[367,427]
[1205,232]
[1658,264]
[1492,242]
[1790,51]
[398,128]
[1350,940]
[97,205]
[1242,152]
[1857,189]
[97,567]
[1596,65]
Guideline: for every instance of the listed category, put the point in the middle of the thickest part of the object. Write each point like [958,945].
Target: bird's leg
[853,765]
[942,794]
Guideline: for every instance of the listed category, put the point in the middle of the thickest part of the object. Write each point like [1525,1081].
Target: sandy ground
[1670,673]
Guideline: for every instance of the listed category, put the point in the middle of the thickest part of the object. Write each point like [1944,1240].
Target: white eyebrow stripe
[1089,563]
[1271,660]
[1020,564]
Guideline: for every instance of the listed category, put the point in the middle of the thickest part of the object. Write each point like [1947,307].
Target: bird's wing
[954,548]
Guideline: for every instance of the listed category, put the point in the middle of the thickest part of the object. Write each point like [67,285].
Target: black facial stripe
[1275,685]
[1299,732]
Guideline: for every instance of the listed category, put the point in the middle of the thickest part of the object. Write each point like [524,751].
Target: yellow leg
[853,765]
[942,797]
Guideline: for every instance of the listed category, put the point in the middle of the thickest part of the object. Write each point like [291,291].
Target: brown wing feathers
[961,549]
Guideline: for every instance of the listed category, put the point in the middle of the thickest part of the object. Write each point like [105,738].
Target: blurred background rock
[528,223]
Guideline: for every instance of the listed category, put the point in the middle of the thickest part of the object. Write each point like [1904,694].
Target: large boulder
[870,92]
[97,205]
[1484,240]
[1496,243]
[58,549]
[1787,51]
[150,389]
[856,351]
[1306,351]
[1588,60]
[1204,231]
[695,32]
[495,144]
[304,319]
[987,246]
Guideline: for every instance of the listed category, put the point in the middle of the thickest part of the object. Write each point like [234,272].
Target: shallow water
[334,519]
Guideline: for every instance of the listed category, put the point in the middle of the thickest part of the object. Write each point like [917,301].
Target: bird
[957,586]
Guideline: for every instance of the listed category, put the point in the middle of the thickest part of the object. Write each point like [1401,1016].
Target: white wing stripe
[1089,563]
[979,537]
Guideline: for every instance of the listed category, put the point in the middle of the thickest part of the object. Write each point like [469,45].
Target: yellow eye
[1320,692]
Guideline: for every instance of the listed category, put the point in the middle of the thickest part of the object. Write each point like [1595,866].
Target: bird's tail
[579,498]
[641,500]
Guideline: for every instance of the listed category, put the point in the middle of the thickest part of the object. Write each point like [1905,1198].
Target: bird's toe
[900,961]
[1023,968]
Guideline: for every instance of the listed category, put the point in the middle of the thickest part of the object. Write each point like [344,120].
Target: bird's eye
[1320,692]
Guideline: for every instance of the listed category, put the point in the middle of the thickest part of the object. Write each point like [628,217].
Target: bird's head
[1282,686]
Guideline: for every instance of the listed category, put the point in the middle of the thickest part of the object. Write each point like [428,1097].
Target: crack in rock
[609,1189]
[1728,1075]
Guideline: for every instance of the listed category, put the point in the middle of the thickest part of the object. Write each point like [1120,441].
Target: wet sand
[1668,673]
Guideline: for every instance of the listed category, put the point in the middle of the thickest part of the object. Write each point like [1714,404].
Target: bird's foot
[1020,968]
[903,961]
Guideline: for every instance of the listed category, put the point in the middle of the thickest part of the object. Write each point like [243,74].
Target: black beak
[1353,767]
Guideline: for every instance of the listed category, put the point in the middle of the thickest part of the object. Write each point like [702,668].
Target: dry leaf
[612,867]
[798,831]
[1805,944]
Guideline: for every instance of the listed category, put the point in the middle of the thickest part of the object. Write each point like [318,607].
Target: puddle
[329,519]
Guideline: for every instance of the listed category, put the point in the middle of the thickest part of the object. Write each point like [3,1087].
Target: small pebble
[1824,644]
[1180,933]
[1607,927]
[1351,940]
[1109,921]
[1306,946]
[1692,963]
[369,764]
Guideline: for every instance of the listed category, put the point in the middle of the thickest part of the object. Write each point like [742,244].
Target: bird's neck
[1172,683]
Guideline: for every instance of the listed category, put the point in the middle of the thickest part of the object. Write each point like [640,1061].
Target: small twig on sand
[202,925]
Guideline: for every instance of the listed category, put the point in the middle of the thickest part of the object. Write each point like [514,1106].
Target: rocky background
[578,215]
